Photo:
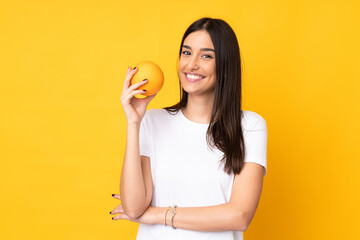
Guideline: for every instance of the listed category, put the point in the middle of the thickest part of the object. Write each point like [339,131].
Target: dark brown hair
[225,130]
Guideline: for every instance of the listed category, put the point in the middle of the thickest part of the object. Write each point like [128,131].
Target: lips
[192,77]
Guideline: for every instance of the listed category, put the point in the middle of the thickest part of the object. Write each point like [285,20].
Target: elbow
[132,209]
[132,213]
[243,228]
[242,222]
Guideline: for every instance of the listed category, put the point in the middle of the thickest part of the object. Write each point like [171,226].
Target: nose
[193,63]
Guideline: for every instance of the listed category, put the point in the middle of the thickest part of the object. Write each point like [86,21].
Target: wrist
[167,216]
[160,215]
[133,124]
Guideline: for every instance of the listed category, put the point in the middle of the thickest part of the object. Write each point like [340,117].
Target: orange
[152,72]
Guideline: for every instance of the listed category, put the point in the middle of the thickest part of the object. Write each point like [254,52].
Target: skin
[134,165]
[240,210]
[201,93]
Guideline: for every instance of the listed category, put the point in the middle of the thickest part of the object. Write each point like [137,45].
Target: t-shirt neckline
[185,119]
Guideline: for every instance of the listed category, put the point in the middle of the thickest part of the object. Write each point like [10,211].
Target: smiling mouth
[193,77]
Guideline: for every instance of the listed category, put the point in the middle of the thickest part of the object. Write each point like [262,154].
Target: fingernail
[112,194]
[145,80]
[110,212]
[135,68]
[112,218]
[144,90]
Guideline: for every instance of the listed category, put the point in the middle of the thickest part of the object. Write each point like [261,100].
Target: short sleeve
[256,144]
[144,137]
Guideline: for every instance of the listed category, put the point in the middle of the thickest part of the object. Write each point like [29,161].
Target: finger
[121,216]
[130,95]
[137,85]
[128,77]
[127,73]
[117,196]
[118,209]
[127,96]
[128,70]
[133,87]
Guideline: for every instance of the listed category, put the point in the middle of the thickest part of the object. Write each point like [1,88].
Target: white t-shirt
[187,173]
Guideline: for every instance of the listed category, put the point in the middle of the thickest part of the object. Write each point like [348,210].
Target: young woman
[194,170]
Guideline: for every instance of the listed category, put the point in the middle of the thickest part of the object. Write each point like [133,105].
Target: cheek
[211,69]
[214,67]
[180,75]
[181,65]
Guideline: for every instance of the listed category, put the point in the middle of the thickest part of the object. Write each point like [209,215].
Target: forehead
[199,39]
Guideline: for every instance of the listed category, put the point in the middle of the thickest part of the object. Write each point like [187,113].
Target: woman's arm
[232,216]
[216,218]
[235,215]
[135,183]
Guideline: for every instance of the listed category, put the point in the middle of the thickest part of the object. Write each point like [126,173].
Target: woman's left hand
[148,217]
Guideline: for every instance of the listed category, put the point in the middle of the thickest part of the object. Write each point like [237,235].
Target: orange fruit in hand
[152,72]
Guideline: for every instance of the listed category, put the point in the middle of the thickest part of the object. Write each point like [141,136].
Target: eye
[208,56]
[185,53]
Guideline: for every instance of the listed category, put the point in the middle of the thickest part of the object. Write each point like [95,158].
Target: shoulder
[160,121]
[157,116]
[252,121]
[156,113]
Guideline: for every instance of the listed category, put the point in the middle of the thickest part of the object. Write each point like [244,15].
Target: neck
[199,108]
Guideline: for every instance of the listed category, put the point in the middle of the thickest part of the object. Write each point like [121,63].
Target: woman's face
[197,69]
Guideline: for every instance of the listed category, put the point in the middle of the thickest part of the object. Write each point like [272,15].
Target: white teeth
[193,76]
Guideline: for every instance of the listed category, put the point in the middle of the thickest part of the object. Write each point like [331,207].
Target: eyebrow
[202,49]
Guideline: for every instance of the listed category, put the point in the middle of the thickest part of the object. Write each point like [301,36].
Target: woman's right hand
[134,108]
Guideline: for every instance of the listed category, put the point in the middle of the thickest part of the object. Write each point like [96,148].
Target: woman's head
[197,68]
[225,129]
[227,57]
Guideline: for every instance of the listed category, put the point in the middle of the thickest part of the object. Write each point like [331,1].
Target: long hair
[225,130]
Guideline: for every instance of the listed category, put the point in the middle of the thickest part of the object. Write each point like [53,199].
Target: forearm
[216,218]
[132,186]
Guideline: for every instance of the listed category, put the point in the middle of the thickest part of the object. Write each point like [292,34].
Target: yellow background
[62,65]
